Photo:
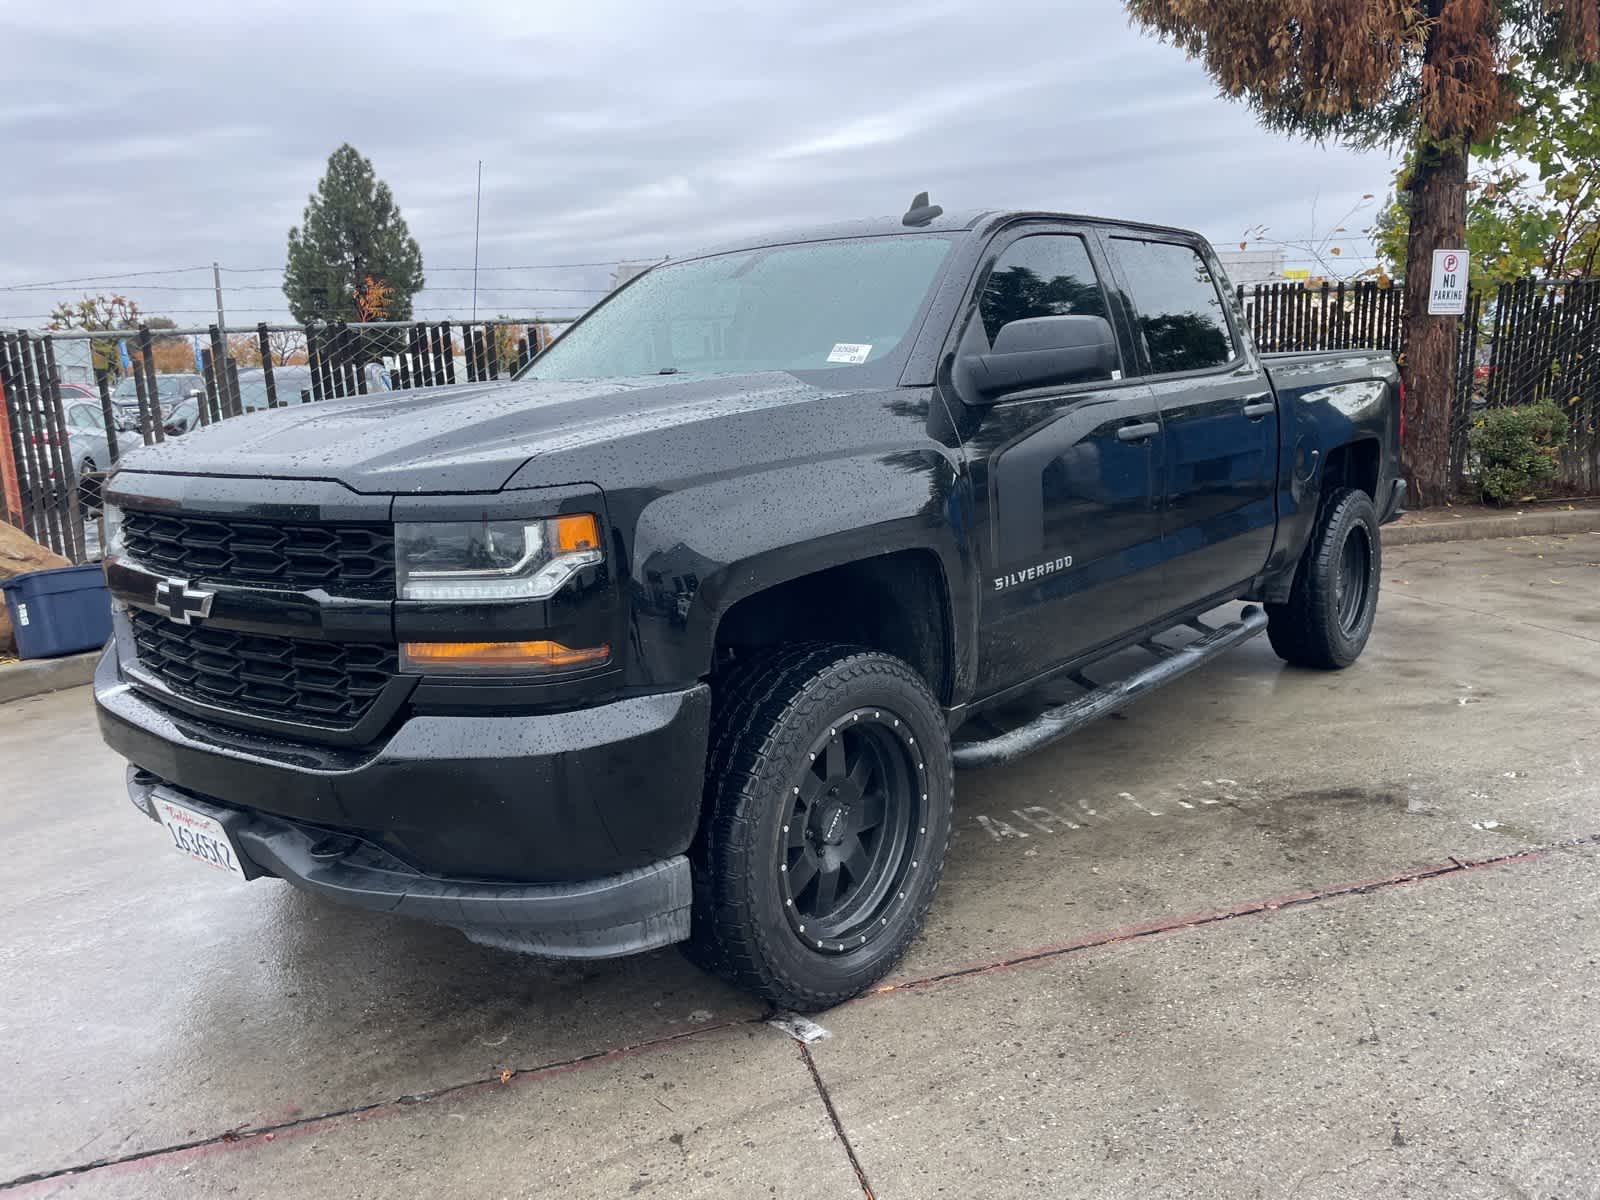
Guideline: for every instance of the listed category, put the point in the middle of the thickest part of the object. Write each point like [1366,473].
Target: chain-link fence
[59,437]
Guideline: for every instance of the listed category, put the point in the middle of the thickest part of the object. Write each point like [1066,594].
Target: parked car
[290,382]
[185,415]
[287,383]
[86,431]
[170,391]
[88,446]
[669,639]
[79,391]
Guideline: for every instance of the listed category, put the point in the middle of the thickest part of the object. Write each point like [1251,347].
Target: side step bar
[1054,724]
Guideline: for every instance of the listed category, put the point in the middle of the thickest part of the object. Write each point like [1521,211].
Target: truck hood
[454,440]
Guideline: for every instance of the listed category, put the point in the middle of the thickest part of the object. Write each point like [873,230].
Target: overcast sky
[165,136]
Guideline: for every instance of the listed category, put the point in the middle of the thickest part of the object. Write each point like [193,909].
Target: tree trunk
[1438,222]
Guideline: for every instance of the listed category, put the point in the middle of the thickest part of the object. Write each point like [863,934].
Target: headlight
[494,560]
[111,515]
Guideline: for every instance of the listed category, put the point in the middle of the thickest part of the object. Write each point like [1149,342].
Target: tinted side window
[1177,305]
[1048,275]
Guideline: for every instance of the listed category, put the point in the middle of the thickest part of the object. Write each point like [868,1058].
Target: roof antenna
[921,212]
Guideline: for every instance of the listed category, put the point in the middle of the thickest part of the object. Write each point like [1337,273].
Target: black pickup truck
[680,635]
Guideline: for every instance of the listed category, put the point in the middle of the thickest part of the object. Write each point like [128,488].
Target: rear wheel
[828,797]
[1330,612]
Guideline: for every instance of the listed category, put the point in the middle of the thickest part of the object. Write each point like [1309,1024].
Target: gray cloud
[172,135]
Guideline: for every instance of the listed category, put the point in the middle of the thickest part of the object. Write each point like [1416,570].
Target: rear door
[1219,414]
[1067,478]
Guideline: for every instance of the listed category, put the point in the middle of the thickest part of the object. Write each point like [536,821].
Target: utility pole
[477,217]
[216,282]
[230,404]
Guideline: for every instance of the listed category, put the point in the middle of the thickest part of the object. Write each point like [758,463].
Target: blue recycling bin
[63,610]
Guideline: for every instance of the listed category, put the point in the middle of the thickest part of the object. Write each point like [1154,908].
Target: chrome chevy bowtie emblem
[180,602]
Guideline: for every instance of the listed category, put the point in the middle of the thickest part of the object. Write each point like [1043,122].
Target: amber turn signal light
[579,531]
[514,656]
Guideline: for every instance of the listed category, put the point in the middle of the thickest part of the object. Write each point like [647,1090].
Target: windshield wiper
[668,371]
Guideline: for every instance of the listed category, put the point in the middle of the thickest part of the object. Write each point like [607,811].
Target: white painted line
[998,829]
[1128,796]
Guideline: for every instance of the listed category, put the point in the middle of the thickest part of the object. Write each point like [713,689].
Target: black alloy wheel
[1355,576]
[827,816]
[851,832]
[1333,602]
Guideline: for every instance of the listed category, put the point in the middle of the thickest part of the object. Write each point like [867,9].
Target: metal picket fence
[1364,315]
[1524,342]
[45,423]
[1541,343]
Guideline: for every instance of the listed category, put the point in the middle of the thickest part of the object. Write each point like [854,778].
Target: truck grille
[343,559]
[332,684]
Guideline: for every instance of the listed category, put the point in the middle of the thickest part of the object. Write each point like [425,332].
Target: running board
[1054,724]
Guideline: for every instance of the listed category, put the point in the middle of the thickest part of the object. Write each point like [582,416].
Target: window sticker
[849,352]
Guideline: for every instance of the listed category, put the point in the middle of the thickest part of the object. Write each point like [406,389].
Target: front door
[1220,417]
[1069,478]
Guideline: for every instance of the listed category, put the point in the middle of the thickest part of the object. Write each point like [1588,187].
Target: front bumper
[608,917]
[525,816]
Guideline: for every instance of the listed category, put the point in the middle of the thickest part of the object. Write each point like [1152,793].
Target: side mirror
[1039,352]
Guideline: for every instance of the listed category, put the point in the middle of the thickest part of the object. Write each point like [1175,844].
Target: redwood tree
[1430,77]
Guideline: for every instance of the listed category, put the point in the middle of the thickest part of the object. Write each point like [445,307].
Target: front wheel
[1331,609]
[828,808]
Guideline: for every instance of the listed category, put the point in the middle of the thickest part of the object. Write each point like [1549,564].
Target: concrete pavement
[1224,944]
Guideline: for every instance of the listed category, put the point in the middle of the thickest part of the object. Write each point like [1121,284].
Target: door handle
[1138,433]
[1264,409]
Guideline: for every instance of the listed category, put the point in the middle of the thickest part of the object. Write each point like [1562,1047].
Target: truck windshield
[821,306]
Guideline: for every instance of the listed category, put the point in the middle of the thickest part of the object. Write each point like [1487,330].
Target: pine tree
[1431,77]
[351,237]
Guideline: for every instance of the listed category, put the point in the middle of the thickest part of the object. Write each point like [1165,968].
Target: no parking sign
[1447,295]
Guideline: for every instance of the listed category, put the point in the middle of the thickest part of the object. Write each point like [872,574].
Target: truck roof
[969,220]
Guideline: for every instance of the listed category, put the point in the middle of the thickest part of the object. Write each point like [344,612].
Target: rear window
[170,387]
[1177,306]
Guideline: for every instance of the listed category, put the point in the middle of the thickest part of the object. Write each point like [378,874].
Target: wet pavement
[1268,932]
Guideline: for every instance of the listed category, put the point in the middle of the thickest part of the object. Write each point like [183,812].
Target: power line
[615,262]
[50,283]
[249,318]
[272,287]
[20,287]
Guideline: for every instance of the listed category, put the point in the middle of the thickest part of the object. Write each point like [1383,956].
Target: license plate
[199,836]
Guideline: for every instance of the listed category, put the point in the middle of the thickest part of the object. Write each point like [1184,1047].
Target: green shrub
[1516,447]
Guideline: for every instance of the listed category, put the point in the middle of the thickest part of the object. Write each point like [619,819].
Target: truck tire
[827,817]
[1328,617]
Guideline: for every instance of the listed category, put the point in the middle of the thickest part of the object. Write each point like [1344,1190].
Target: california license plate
[199,836]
